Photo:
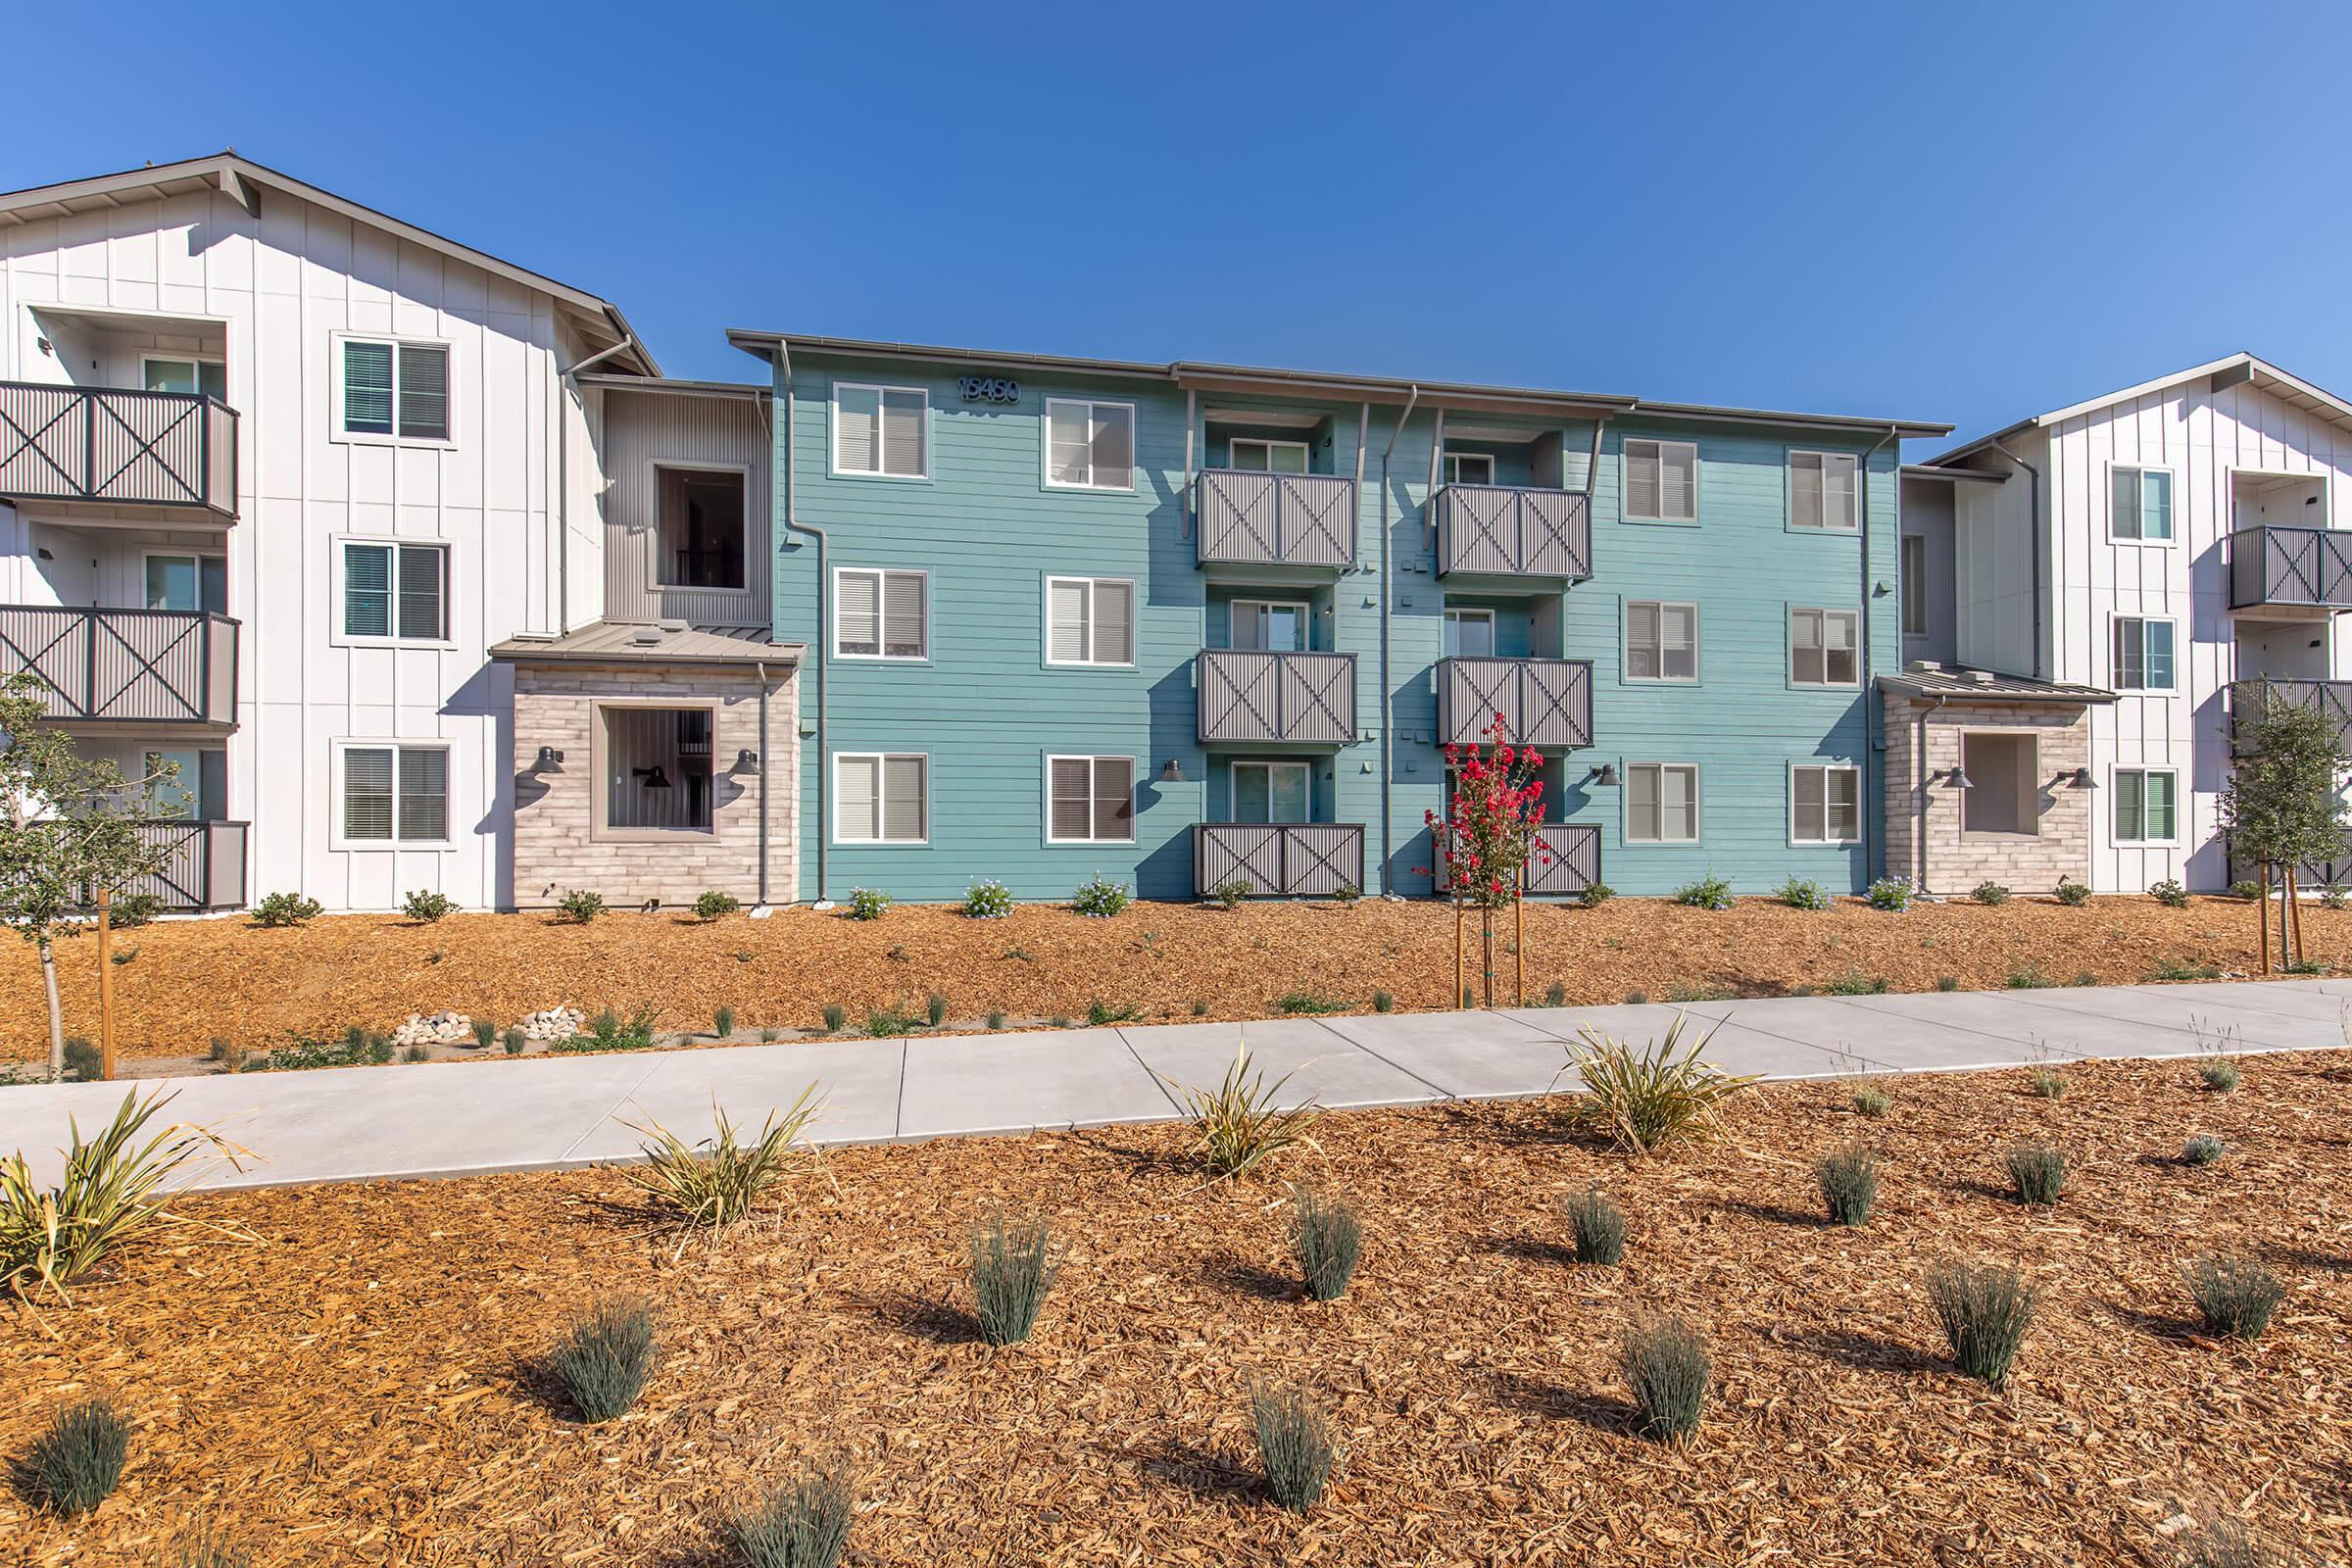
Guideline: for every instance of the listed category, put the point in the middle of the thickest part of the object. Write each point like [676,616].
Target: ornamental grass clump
[1328,1239]
[1013,1269]
[1983,1313]
[1870,1100]
[2202,1149]
[1243,1121]
[935,1010]
[604,1359]
[75,1464]
[1296,1444]
[485,1032]
[1646,1099]
[203,1542]
[722,1022]
[2235,1295]
[1849,1183]
[2038,1172]
[718,1181]
[801,1524]
[2224,1544]
[1665,1363]
[1597,1228]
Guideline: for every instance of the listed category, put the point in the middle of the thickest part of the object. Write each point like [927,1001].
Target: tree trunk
[57,1014]
[2262,914]
[2294,910]
[1486,941]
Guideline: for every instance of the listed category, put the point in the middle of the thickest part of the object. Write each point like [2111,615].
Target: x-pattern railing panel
[1294,519]
[1513,531]
[2290,567]
[112,444]
[144,666]
[1542,702]
[1248,695]
[1282,860]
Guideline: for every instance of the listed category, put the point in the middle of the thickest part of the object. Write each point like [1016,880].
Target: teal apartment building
[1179,624]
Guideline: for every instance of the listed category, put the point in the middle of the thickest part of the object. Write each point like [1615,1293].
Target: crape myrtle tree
[1489,834]
[69,826]
[2283,807]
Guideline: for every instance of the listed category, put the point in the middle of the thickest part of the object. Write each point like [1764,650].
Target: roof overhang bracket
[2229,375]
[234,188]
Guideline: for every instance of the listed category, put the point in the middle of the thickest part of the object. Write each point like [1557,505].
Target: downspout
[563,378]
[793,523]
[1920,831]
[762,668]
[1875,849]
[2033,533]
[1388,686]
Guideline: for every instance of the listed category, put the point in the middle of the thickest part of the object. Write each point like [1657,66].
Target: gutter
[764,767]
[628,340]
[825,589]
[1387,687]
[2033,531]
[1873,743]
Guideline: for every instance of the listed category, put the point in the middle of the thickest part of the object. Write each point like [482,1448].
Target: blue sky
[1962,214]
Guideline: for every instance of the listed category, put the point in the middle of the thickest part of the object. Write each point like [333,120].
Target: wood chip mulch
[360,1384]
[193,981]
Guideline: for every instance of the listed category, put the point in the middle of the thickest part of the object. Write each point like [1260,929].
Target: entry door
[1271,792]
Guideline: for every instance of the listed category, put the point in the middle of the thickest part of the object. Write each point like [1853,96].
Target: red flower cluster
[1488,833]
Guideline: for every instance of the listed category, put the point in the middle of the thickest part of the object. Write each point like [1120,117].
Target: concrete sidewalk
[452,1118]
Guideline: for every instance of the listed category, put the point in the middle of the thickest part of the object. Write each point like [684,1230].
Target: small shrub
[1099,897]
[2202,1149]
[231,1056]
[1597,1228]
[1059,1021]
[2225,1543]
[2073,894]
[1596,894]
[603,1362]
[1870,1100]
[1850,1184]
[987,900]
[1947,981]
[2048,1083]
[76,1463]
[1854,983]
[2245,888]
[1665,1364]
[1232,892]
[708,1191]
[1102,1014]
[1199,1009]
[888,1023]
[711,904]
[1555,995]
[1241,1121]
[579,905]
[1990,892]
[935,1010]
[2219,1075]
[994,1020]
[1295,1446]
[2332,897]
[485,1034]
[769,1037]
[2037,1173]
[2168,893]
[835,1016]
[1633,998]
[1382,1002]
[1799,892]
[424,906]
[803,1525]
[127,912]
[1012,1269]
[2235,1295]
[286,909]
[608,1031]
[2086,978]
[1892,894]
[1328,1239]
[1709,891]
[516,1042]
[2185,969]
[865,904]
[417,1052]
[722,1022]
[2028,978]
[199,1543]
[1983,1313]
[1347,893]
[1644,1098]
[1309,1001]
[84,1064]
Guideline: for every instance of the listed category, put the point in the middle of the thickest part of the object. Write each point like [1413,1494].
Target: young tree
[2280,806]
[68,827]
[1489,831]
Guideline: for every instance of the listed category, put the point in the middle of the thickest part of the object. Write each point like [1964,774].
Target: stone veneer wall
[555,845]
[1957,861]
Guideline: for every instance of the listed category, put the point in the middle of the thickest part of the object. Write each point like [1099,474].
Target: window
[881,797]
[2147,805]
[2004,784]
[699,525]
[1661,640]
[2140,505]
[882,430]
[1268,457]
[1090,800]
[207,377]
[1821,490]
[395,389]
[1469,468]
[1820,647]
[2143,655]
[395,794]
[1913,562]
[178,797]
[1661,803]
[396,592]
[1090,446]
[656,768]
[1661,481]
[880,614]
[1272,792]
[1825,803]
[1469,634]
[1089,620]
[1269,627]
[188,582]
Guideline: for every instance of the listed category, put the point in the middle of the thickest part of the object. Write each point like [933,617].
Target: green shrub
[1229,893]
[835,1016]
[1101,898]
[1328,1239]
[987,900]
[516,1042]
[1645,1099]
[286,909]
[417,1052]
[2048,1083]
[2202,1149]
[2168,893]
[127,912]
[1596,893]
[1990,892]
[107,1195]
[1241,1121]
[2185,969]
[2028,978]
[579,905]
[805,1524]
[1294,1443]
[1347,893]
[722,1022]
[424,906]
[2235,1295]
[231,1056]
[1597,1228]
[84,1062]
[1799,892]
[1102,1014]
[1871,1100]
[1633,998]
[2073,894]
[2219,1075]
[1665,1364]
[1199,1009]
[1555,995]
[603,1358]
[711,904]
[888,1023]
[1854,983]
[1382,1002]
[865,904]
[2334,898]
[996,1020]
[1709,891]
[935,1010]
[608,1031]
[1985,1313]
[708,1190]
[1059,1021]
[2245,888]
[1892,894]
[199,1543]
[1850,1184]
[485,1034]
[2037,1173]
[76,1463]
[1013,1269]
[1309,1001]
[1947,981]
[2086,978]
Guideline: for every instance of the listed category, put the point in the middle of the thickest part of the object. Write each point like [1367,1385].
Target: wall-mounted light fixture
[1606,775]
[549,761]
[1960,780]
[654,778]
[1172,773]
[2082,780]
[747,761]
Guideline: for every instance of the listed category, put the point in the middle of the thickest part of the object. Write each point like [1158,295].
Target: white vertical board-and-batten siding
[281,284]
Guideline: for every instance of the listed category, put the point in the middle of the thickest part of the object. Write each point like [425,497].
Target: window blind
[366,792]
[1065,617]
[902,614]
[857,786]
[423,793]
[1071,786]
[366,387]
[423,392]
[902,441]
[902,804]
[1114,794]
[421,583]
[368,590]
[856,429]
[858,615]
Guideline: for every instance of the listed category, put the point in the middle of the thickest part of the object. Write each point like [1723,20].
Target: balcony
[1290,859]
[1543,701]
[143,666]
[204,865]
[1510,531]
[2332,698]
[1246,696]
[2293,570]
[1247,518]
[118,447]
[1573,864]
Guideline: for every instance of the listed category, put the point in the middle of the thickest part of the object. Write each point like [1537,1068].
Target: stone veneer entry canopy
[1928,835]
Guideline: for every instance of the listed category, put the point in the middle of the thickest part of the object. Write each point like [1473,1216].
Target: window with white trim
[881,797]
[881,431]
[1089,620]
[1469,468]
[395,794]
[1273,792]
[396,592]
[1089,446]
[1820,647]
[1661,803]
[392,388]
[2143,655]
[1821,490]
[1912,558]
[1824,801]
[2147,805]
[1270,625]
[1469,634]
[1661,640]
[1090,800]
[208,377]
[1661,480]
[2139,505]
[881,615]
[1266,456]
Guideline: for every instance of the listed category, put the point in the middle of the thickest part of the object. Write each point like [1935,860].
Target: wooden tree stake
[105,988]
[1519,947]
[1456,999]
[2263,905]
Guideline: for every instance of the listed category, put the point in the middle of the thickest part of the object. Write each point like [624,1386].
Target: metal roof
[1923,470]
[625,643]
[2218,376]
[1962,684]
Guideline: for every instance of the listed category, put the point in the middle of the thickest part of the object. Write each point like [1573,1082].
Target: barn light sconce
[747,761]
[2082,780]
[1172,773]
[1960,779]
[654,777]
[549,761]
[1606,775]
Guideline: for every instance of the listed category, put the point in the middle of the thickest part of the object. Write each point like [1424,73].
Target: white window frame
[2115,781]
[1698,808]
[1796,829]
[2115,671]
[1306,450]
[337,840]
[1625,458]
[1825,525]
[1454,459]
[1911,585]
[881,653]
[1045,445]
[881,390]
[2172,510]
[1853,646]
[653,484]
[1232,787]
[1306,623]
[337,637]
[161,357]
[833,799]
[370,438]
[1090,759]
[599,751]
[199,557]
[1046,624]
[1455,615]
[1625,616]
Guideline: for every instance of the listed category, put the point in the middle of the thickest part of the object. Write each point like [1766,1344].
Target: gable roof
[2218,376]
[242,180]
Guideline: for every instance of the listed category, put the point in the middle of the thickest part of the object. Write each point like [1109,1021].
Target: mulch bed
[192,981]
[360,1385]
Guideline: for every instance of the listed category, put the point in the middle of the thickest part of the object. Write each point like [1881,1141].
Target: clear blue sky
[1961,212]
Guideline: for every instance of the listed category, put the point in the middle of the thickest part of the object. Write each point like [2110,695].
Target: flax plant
[1643,1100]
[717,1182]
[1240,1121]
